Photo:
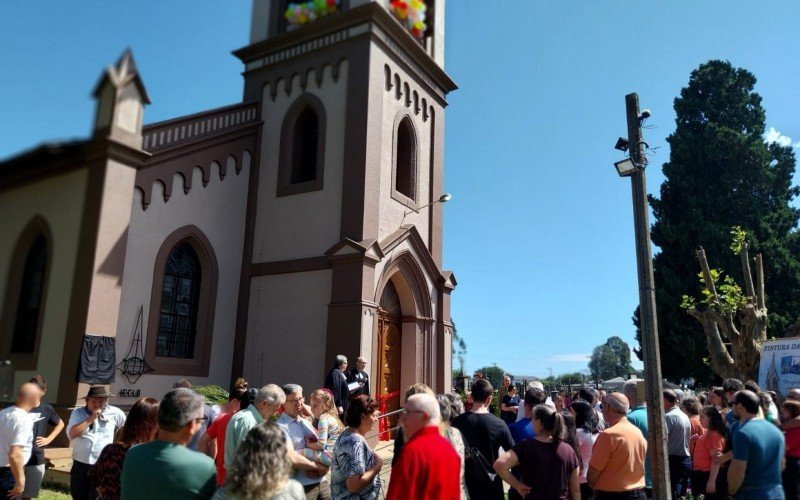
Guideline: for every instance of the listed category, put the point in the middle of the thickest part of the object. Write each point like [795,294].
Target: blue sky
[539,231]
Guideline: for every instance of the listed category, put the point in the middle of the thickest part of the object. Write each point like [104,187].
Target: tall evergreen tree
[721,174]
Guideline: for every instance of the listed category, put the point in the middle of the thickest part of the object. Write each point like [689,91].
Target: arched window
[180,322]
[22,318]
[26,320]
[305,142]
[302,152]
[180,296]
[405,170]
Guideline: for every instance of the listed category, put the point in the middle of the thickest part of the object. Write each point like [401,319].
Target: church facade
[259,239]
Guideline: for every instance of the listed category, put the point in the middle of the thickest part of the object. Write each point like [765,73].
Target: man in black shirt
[483,433]
[357,374]
[42,415]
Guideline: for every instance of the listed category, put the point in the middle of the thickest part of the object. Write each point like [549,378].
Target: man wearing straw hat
[90,429]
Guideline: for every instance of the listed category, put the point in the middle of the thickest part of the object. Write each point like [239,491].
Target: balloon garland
[299,13]
[412,14]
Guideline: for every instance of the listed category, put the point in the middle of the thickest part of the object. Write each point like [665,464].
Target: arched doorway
[390,325]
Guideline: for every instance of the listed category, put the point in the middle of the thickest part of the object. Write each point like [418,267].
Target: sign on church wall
[779,370]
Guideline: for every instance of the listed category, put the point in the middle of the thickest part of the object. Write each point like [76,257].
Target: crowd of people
[271,443]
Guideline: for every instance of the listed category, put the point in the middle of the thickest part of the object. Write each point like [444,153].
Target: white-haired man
[536,384]
[266,403]
[429,466]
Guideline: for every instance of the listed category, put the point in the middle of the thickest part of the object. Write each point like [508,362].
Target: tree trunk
[745,353]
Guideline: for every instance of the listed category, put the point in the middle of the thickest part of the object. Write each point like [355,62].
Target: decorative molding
[237,155]
[369,19]
[404,90]
[217,137]
[286,78]
[196,127]
[290,266]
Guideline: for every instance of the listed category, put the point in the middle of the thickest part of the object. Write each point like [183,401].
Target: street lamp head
[622,144]
[626,167]
[445,198]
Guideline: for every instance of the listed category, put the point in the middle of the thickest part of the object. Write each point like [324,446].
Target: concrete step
[59,463]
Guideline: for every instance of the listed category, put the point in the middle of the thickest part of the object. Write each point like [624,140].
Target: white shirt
[86,448]
[586,442]
[16,429]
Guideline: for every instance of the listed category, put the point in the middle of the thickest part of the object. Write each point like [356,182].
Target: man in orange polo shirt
[616,469]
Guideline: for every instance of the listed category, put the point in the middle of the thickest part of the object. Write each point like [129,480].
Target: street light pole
[656,438]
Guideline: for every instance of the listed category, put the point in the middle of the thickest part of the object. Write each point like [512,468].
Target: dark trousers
[586,492]
[700,480]
[80,486]
[623,495]
[7,481]
[791,478]
[679,468]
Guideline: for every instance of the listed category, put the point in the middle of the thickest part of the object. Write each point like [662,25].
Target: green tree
[721,174]
[494,374]
[459,351]
[622,353]
[574,378]
[602,363]
[612,359]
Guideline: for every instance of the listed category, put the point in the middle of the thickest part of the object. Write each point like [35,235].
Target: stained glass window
[180,295]
[26,323]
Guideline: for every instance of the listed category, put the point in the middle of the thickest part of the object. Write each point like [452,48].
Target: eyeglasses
[295,401]
[406,411]
[200,420]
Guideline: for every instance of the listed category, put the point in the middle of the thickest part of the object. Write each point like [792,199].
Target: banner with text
[779,370]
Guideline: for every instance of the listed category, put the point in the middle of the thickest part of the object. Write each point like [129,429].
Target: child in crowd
[327,425]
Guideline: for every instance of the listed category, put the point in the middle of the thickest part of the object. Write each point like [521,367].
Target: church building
[260,239]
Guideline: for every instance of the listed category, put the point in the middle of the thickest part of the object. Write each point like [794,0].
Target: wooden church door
[390,324]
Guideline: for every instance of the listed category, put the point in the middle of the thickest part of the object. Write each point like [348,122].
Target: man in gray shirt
[679,430]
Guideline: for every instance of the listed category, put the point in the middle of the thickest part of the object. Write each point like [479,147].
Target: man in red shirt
[213,441]
[429,467]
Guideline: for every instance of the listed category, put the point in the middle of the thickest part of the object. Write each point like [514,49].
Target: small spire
[121,97]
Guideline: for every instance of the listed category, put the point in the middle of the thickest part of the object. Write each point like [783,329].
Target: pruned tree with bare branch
[734,321]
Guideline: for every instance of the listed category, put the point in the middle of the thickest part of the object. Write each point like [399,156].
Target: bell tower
[352,96]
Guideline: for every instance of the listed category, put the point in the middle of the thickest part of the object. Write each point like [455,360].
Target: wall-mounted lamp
[442,199]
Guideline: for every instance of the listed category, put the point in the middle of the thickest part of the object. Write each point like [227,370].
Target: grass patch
[50,493]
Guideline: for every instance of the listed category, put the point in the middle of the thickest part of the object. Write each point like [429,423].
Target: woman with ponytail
[548,463]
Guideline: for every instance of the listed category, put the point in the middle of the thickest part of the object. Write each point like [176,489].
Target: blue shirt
[638,417]
[761,445]
[296,429]
[522,429]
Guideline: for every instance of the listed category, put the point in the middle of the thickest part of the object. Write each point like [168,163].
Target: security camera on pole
[634,167]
